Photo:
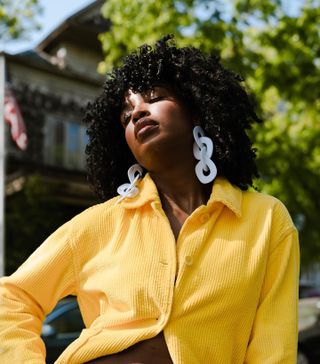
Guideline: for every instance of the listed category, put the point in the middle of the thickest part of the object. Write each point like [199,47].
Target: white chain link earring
[202,151]
[130,189]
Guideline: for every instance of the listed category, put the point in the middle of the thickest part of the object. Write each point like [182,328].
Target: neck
[180,187]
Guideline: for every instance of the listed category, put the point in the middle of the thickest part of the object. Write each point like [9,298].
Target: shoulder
[266,202]
[103,215]
[97,210]
[93,228]
[262,200]
[270,209]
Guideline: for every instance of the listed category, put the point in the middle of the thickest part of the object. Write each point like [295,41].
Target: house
[52,84]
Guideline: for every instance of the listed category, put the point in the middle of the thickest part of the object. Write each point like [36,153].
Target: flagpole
[2,162]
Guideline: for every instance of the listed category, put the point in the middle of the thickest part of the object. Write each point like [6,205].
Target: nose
[139,111]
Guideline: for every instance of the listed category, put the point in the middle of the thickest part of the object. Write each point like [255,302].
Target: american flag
[13,117]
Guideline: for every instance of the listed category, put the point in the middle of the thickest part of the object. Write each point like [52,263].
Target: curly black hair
[213,93]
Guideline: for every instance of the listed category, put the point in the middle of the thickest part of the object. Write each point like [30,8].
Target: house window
[64,143]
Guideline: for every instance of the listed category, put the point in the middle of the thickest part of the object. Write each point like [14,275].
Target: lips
[143,125]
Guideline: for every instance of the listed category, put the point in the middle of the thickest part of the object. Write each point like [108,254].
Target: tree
[18,17]
[277,50]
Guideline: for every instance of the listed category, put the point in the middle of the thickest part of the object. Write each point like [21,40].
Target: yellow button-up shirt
[225,292]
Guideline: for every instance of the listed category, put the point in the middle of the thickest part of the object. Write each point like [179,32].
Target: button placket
[189,244]
[167,265]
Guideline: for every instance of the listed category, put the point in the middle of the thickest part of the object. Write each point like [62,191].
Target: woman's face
[155,122]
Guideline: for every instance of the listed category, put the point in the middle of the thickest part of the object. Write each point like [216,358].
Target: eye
[126,119]
[156,98]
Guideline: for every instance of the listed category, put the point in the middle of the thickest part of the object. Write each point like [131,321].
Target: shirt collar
[147,192]
[231,196]
[223,191]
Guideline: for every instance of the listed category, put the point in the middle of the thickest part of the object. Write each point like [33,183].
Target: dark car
[308,289]
[309,331]
[62,326]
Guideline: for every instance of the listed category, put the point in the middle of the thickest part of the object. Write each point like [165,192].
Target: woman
[185,265]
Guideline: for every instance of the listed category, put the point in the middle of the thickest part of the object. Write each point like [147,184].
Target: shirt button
[204,218]
[188,260]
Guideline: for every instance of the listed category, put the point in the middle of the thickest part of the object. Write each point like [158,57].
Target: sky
[54,13]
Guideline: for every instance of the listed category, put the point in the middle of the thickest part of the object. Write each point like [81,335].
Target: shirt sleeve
[275,330]
[32,292]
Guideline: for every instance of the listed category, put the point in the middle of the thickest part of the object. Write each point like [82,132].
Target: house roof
[82,28]
[85,24]
[33,59]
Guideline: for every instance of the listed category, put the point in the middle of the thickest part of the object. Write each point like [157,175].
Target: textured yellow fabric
[225,292]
